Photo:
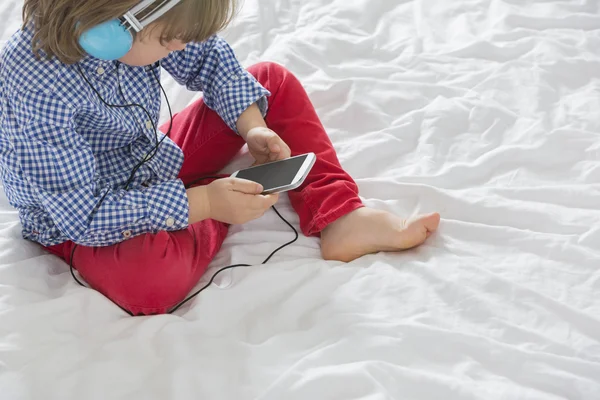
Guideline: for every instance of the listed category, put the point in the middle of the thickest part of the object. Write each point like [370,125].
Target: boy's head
[58,24]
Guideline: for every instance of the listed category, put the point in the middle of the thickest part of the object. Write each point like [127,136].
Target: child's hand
[237,201]
[266,146]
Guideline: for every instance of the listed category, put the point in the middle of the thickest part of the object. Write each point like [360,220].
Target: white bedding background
[485,110]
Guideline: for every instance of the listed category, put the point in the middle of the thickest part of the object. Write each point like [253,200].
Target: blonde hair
[57,24]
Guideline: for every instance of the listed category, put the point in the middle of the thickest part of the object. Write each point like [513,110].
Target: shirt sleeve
[211,67]
[60,166]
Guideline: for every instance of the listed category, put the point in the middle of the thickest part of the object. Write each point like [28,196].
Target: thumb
[246,186]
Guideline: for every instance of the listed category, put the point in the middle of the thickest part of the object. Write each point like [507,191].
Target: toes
[432,222]
[419,230]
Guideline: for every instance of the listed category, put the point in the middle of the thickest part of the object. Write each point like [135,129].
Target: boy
[98,185]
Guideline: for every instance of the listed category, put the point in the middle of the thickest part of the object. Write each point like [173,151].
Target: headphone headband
[138,24]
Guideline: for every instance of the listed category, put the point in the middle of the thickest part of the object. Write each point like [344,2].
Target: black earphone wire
[149,157]
[240,265]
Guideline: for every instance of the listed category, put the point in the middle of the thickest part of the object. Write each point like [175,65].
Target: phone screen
[274,175]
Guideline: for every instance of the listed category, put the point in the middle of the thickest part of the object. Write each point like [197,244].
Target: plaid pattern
[65,157]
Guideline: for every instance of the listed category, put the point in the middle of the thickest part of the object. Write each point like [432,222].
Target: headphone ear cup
[107,41]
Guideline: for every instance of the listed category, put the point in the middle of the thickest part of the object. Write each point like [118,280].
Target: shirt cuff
[168,208]
[240,94]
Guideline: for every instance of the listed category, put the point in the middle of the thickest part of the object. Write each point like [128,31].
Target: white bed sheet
[485,110]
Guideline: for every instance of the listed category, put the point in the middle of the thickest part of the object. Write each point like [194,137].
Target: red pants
[151,273]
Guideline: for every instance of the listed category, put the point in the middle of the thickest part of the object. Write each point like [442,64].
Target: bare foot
[366,231]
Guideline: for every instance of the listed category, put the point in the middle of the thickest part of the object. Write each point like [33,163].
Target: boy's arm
[211,67]
[60,166]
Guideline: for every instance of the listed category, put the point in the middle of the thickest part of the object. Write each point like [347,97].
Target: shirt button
[100,71]
[127,234]
[170,222]
[149,124]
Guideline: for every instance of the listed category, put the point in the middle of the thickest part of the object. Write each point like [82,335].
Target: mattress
[487,111]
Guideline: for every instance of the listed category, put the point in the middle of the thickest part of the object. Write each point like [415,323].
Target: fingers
[285,150]
[271,199]
[274,146]
[268,147]
[263,203]
[255,206]
[246,186]
[278,149]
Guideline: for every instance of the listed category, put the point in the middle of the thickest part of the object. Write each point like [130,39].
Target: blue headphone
[111,40]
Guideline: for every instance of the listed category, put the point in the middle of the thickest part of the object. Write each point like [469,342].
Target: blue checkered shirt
[65,157]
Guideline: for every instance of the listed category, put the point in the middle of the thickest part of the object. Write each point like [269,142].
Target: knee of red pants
[270,74]
[268,67]
[146,275]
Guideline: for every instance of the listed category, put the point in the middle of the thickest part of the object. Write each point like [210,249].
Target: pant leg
[207,142]
[149,274]
[328,192]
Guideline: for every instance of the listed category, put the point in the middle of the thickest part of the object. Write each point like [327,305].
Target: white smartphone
[279,176]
